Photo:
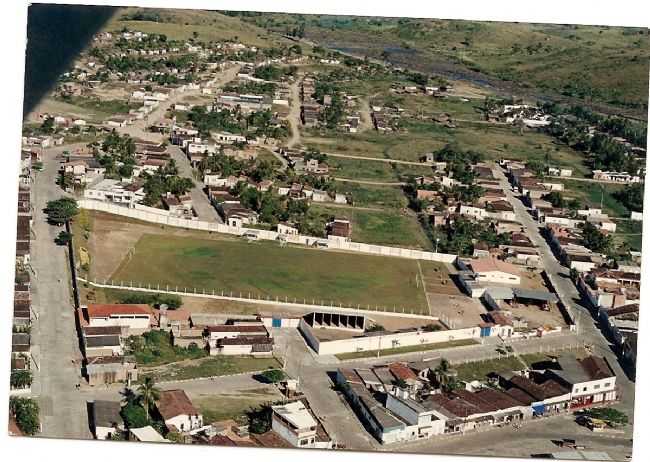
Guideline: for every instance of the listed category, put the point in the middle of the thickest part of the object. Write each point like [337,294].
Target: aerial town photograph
[313,231]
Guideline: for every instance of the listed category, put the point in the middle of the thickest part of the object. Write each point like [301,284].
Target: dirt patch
[456,311]
[392,323]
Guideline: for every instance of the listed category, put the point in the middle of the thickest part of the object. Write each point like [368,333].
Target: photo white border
[13,19]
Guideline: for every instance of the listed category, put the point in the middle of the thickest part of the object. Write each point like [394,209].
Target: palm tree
[129,396]
[149,393]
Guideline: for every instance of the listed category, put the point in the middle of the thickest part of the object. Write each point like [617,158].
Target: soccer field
[264,269]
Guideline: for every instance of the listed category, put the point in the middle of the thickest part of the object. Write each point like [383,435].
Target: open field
[50,105]
[591,194]
[181,24]
[304,274]
[494,141]
[630,232]
[224,406]
[374,196]
[478,370]
[386,227]
[529,60]
[208,367]
[155,349]
[406,349]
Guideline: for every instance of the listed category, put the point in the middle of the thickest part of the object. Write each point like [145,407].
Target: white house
[137,318]
[413,413]
[177,411]
[591,380]
[108,190]
[296,425]
[492,270]
[287,229]
[472,211]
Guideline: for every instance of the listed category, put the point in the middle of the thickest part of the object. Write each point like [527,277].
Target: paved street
[200,201]
[534,437]
[204,209]
[54,334]
[587,328]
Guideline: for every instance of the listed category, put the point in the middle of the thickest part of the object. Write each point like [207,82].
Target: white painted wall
[383,342]
[154,216]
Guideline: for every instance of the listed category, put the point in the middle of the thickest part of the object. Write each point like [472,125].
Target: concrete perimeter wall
[153,215]
[385,342]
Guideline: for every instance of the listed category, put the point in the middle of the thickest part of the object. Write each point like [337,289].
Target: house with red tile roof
[178,412]
[493,270]
[137,318]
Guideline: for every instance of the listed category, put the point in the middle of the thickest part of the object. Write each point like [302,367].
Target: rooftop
[297,414]
[173,403]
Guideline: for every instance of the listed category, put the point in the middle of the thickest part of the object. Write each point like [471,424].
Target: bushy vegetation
[172,301]
[26,412]
[155,348]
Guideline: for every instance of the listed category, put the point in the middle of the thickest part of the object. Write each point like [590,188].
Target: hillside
[607,66]
[186,24]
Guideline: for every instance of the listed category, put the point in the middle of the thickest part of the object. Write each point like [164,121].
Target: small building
[106,419]
[146,435]
[178,412]
[135,317]
[492,270]
[295,423]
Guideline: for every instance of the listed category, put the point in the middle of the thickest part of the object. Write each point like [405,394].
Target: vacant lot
[373,196]
[386,227]
[494,141]
[590,193]
[224,406]
[406,349]
[209,367]
[268,270]
[630,232]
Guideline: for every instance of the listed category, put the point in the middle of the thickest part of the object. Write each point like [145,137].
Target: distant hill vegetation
[596,64]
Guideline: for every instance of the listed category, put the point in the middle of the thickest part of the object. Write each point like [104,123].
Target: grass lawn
[387,227]
[211,367]
[294,272]
[405,349]
[234,406]
[154,348]
[181,24]
[494,141]
[81,227]
[630,232]
[591,193]
[480,369]
[373,196]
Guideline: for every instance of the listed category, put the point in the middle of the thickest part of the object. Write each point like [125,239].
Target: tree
[594,239]
[259,420]
[149,393]
[273,375]
[26,413]
[538,167]
[63,238]
[555,198]
[631,196]
[612,416]
[20,379]
[61,210]
[134,415]
[175,437]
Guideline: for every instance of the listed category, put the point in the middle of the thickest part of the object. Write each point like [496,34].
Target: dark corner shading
[56,34]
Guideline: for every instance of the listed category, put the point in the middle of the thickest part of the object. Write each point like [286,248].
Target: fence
[491,354]
[153,215]
[249,297]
